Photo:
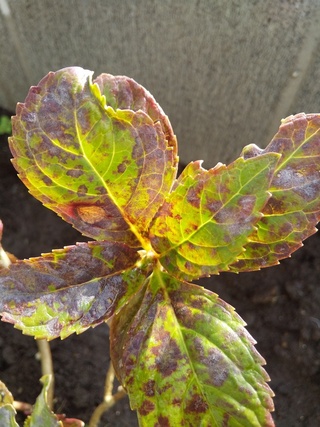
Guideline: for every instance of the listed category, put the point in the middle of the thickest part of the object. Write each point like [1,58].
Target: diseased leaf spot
[214,366]
[162,422]
[91,214]
[146,407]
[149,388]
[82,189]
[197,404]
[123,166]
[47,180]
[169,359]
[74,173]
[226,418]
[193,196]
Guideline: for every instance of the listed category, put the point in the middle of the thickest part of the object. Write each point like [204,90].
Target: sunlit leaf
[70,289]
[105,170]
[206,220]
[102,154]
[185,358]
[292,212]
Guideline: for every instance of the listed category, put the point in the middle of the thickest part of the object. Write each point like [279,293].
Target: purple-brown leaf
[70,289]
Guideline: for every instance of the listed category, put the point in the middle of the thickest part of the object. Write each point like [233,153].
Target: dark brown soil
[281,306]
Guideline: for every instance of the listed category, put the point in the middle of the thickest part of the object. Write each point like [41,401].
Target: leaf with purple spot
[70,289]
[105,170]
[185,358]
[291,214]
[207,218]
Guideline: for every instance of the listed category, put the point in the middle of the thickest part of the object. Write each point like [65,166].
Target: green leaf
[5,125]
[185,358]
[206,220]
[291,214]
[7,411]
[41,415]
[104,170]
[70,289]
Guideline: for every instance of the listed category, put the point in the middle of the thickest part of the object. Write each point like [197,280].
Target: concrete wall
[225,71]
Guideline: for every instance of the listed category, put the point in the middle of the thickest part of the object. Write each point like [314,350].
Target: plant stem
[43,345]
[26,408]
[108,399]
[47,367]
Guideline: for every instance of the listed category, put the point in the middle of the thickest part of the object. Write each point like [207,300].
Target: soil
[281,306]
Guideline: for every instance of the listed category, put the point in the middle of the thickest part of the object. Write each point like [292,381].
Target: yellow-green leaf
[105,170]
[206,220]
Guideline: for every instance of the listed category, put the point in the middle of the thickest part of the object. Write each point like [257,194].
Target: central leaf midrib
[109,192]
[178,329]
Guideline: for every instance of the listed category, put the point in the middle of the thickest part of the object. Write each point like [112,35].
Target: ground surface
[281,306]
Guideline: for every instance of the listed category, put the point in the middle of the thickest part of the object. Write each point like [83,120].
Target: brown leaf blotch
[47,180]
[149,388]
[74,173]
[197,404]
[162,422]
[146,407]
[194,197]
[176,401]
[169,359]
[122,167]
[91,214]
[225,421]
[82,189]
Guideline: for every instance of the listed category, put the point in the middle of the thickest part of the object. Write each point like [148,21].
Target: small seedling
[5,125]
[103,156]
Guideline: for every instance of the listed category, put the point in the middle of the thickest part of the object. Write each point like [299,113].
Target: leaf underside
[102,154]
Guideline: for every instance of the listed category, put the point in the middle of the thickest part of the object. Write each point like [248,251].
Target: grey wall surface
[225,71]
